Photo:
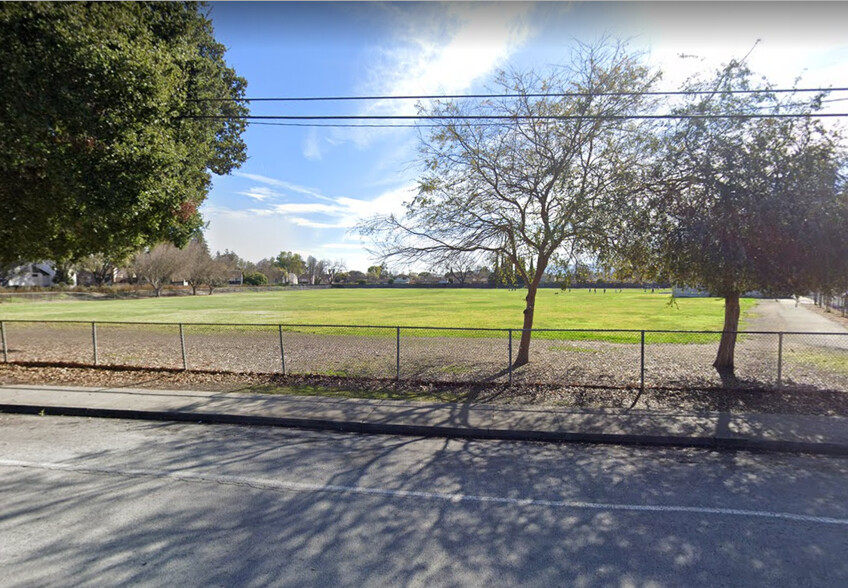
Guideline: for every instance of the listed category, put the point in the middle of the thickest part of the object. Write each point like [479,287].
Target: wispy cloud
[331,213]
[261,193]
[312,146]
[282,184]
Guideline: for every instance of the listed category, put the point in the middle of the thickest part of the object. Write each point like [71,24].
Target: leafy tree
[525,187]
[272,272]
[290,263]
[375,271]
[102,267]
[357,276]
[107,139]
[159,265]
[231,260]
[255,279]
[740,203]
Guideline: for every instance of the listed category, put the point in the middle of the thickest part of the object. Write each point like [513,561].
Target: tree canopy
[105,144]
[521,186]
[290,262]
[739,203]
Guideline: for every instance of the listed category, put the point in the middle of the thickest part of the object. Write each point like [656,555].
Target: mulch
[788,400]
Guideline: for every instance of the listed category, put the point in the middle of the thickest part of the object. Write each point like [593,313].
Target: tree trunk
[726,348]
[194,289]
[524,347]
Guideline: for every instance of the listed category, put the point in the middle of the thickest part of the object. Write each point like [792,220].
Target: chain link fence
[614,358]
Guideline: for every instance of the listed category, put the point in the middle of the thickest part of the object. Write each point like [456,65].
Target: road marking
[268,484]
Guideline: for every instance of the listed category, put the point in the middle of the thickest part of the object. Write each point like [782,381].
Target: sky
[304,189]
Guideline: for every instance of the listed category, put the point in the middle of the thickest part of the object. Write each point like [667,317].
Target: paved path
[472,421]
[783,315]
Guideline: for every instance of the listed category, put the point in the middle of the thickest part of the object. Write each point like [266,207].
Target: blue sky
[303,189]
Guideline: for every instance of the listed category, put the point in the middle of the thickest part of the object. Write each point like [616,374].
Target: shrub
[255,279]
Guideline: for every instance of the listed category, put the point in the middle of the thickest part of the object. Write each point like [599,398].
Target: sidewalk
[758,432]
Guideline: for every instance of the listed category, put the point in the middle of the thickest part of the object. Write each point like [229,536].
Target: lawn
[502,308]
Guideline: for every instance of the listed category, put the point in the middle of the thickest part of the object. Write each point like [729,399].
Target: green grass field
[578,309]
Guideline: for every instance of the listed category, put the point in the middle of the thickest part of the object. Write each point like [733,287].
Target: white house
[29,275]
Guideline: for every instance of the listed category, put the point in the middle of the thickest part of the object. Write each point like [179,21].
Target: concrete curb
[710,442]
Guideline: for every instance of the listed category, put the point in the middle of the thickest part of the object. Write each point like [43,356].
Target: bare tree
[460,265]
[315,269]
[529,176]
[215,274]
[333,268]
[157,266]
[196,261]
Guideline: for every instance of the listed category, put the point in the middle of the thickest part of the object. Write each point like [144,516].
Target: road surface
[90,502]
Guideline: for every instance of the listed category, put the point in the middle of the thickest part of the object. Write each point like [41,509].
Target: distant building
[690,292]
[28,275]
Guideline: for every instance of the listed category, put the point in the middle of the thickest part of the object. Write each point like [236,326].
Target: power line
[483,117]
[529,95]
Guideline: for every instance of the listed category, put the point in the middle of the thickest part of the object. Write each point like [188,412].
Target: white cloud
[257,234]
[795,39]
[331,213]
[440,48]
[342,246]
[281,184]
[312,146]
[482,39]
[261,193]
[305,222]
[306,208]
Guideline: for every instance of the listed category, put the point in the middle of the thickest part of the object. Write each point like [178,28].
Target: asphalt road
[105,502]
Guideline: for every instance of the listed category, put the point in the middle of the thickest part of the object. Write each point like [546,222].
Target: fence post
[282,352]
[182,347]
[398,355]
[94,339]
[509,365]
[3,336]
[779,360]
[642,365]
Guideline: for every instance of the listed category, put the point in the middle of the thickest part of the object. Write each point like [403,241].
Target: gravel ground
[563,372]
[807,360]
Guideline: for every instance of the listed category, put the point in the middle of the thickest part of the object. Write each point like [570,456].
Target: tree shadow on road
[405,511]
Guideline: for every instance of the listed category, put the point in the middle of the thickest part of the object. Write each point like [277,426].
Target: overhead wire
[527,95]
[314,120]
[487,117]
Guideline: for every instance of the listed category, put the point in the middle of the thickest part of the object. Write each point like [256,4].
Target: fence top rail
[413,327]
